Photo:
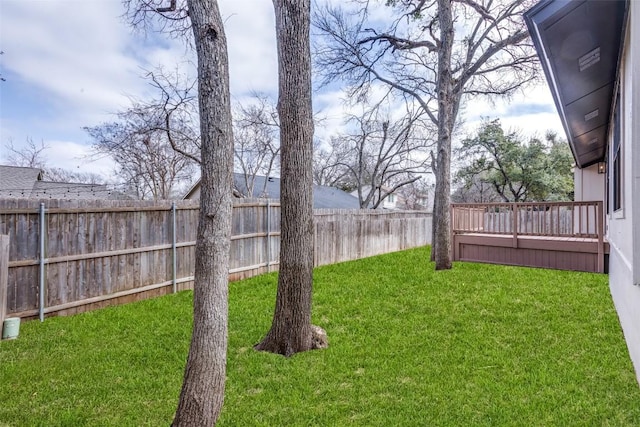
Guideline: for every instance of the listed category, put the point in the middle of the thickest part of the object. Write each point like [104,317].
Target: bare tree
[417,196]
[381,155]
[256,126]
[31,155]
[173,112]
[146,162]
[34,155]
[291,329]
[436,53]
[256,150]
[474,189]
[64,175]
[171,115]
[202,391]
[155,142]
[170,17]
[328,159]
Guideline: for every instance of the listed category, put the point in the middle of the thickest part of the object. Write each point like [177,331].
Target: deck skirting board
[578,254]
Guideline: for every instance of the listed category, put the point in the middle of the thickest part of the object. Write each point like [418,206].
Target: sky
[68,64]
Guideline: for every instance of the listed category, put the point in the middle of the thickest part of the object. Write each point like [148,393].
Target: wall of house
[390,202]
[634,164]
[588,184]
[623,231]
[194,193]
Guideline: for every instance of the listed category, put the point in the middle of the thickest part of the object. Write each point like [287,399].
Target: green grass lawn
[476,345]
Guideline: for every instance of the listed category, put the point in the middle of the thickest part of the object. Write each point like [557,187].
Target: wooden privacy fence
[68,256]
[344,234]
[563,235]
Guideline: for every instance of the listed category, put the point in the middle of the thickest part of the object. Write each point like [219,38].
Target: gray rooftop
[18,181]
[23,182]
[68,190]
[323,197]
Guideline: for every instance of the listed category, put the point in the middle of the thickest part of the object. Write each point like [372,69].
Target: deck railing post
[516,213]
[452,252]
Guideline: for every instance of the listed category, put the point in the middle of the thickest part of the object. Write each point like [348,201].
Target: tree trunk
[290,331]
[202,392]
[432,258]
[446,118]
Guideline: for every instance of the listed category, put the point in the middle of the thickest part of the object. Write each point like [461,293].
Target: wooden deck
[564,236]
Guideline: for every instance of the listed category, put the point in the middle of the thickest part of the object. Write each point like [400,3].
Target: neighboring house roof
[323,197]
[18,181]
[22,182]
[579,45]
[193,192]
[333,198]
[67,190]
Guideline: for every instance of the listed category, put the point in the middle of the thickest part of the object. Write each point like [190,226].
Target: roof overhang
[579,44]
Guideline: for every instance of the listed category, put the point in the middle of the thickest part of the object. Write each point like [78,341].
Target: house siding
[588,184]
[623,231]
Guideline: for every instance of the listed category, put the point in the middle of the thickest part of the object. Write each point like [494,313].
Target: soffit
[579,43]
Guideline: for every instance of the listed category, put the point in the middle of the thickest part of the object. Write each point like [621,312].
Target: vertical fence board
[4,275]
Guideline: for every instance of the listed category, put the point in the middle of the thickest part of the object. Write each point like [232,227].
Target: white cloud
[251,39]
[72,50]
[76,157]
[531,112]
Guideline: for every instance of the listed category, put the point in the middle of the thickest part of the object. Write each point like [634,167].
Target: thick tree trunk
[432,258]
[446,119]
[290,331]
[442,214]
[202,392]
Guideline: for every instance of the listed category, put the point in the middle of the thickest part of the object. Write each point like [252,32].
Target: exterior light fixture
[602,167]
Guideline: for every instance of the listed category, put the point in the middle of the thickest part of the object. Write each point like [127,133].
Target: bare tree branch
[400,43]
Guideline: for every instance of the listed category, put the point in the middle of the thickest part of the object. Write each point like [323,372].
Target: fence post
[174,255]
[42,255]
[268,237]
[4,275]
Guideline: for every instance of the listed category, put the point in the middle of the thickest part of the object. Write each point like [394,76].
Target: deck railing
[549,219]
[572,229]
